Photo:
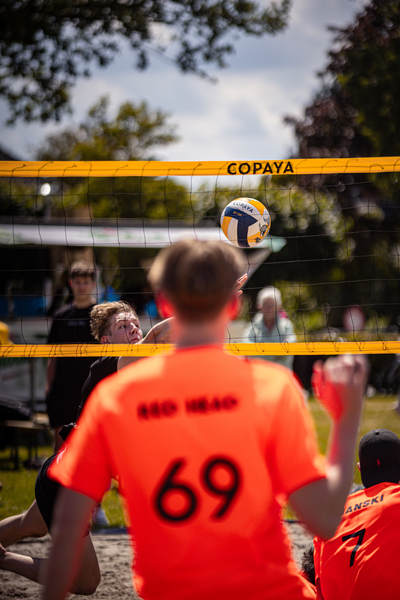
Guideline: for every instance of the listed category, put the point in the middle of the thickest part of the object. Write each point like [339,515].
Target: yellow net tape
[199,168]
[140,350]
[140,168]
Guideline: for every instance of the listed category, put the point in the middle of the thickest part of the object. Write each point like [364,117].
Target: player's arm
[71,517]
[50,372]
[339,385]
[160,333]
[90,383]
[53,338]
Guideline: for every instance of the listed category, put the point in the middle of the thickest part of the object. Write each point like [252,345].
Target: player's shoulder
[275,382]
[379,496]
[63,311]
[106,365]
[105,362]
[146,369]
[264,368]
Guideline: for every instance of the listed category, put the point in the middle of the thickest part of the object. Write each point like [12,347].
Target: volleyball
[245,222]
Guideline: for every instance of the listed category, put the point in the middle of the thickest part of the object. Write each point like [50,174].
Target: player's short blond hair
[197,277]
[101,314]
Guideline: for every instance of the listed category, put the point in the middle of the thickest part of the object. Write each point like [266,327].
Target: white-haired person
[271,325]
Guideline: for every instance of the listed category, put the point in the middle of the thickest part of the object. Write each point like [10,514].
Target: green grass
[18,486]
[378,412]
[18,491]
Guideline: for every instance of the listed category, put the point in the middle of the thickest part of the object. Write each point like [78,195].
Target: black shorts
[61,410]
[46,491]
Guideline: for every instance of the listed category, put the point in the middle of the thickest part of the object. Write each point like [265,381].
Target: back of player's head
[198,278]
[379,455]
[101,314]
[82,268]
[269,292]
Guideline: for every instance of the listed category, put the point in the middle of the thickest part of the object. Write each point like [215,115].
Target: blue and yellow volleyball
[245,222]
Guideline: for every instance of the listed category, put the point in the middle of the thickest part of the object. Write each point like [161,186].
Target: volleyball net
[333,249]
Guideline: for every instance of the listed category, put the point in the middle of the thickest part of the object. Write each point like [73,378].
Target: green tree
[357,110]
[45,45]
[134,133]
[131,135]
[357,113]
[135,130]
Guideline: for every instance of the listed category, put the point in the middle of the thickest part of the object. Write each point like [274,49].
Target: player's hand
[240,283]
[339,385]
[161,332]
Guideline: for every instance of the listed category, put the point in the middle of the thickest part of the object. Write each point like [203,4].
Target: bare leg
[58,441]
[87,579]
[19,527]
[18,563]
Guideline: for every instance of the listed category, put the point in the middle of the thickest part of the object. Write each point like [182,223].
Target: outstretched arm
[159,333]
[339,385]
[71,517]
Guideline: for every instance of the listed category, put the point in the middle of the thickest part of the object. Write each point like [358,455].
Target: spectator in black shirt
[71,325]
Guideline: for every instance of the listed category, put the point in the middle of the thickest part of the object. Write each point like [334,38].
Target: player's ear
[104,339]
[164,306]
[358,466]
[234,306]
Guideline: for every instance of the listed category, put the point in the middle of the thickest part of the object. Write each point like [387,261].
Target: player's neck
[193,335]
[84,302]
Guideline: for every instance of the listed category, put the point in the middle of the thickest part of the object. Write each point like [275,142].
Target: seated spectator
[270,324]
[360,560]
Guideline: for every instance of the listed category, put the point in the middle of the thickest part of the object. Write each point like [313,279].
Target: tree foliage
[134,133]
[45,45]
[357,113]
[131,135]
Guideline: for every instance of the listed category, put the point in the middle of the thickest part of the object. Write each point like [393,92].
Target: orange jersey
[361,560]
[206,447]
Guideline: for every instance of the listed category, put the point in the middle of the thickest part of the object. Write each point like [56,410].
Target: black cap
[379,453]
